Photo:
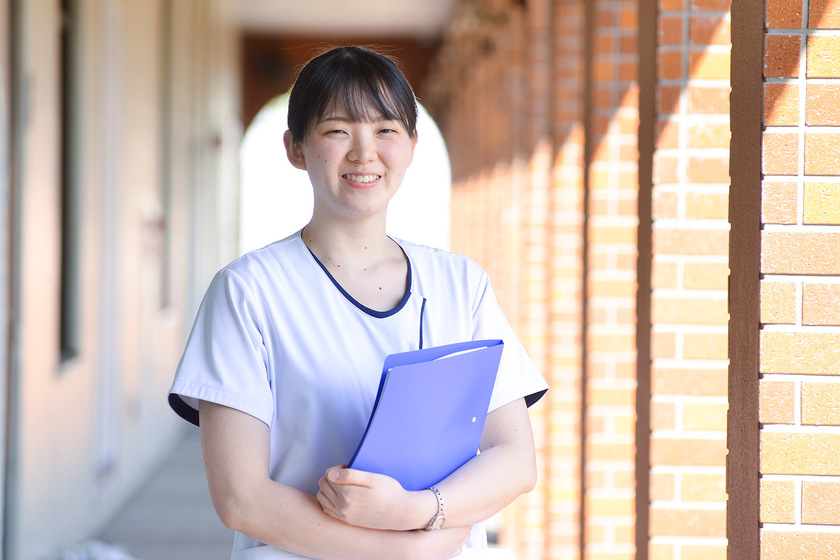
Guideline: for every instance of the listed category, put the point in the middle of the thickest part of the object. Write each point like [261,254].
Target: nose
[362,148]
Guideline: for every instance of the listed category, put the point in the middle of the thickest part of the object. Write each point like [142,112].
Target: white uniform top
[278,338]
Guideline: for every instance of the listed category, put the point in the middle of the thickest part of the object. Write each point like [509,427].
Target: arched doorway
[276,198]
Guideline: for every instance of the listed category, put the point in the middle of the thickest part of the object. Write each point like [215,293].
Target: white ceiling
[418,18]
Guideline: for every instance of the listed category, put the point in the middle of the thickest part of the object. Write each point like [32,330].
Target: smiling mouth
[361,178]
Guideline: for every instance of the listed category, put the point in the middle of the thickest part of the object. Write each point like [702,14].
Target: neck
[366,263]
[359,242]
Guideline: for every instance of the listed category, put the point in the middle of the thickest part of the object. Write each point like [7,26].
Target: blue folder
[429,412]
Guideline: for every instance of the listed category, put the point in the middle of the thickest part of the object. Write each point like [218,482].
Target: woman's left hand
[369,500]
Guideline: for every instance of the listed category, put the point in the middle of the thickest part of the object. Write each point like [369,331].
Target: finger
[338,475]
[335,468]
[324,482]
[330,491]
[327,505]
[331,513]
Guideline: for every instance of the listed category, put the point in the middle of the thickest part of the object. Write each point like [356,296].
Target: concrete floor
[172,517]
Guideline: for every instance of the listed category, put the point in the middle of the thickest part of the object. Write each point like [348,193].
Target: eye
[388,131]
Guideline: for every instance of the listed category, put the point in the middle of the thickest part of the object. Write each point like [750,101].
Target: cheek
[400,159]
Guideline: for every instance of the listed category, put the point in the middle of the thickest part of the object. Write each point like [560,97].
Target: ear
[294,151]
[413,145]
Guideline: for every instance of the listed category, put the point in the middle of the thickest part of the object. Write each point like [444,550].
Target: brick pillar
[690,270]
[611,256]
[564,328]
[800,263]
[534,313]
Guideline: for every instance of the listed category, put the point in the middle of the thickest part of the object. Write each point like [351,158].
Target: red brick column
[534,256]
[689,299]
[565,289]
[612,223]
[800,263]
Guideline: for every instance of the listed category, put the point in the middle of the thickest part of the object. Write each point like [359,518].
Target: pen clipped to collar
[422,310]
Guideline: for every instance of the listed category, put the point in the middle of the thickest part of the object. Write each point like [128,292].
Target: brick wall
[552,221]
[800,263]
[611,254]
[554,179]
[515,138]
[566,273]
[690,269]
[540,104]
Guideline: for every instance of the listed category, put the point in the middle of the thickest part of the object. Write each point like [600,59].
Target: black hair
[361,80]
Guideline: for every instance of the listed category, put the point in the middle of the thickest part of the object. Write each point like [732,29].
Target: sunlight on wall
[276,198]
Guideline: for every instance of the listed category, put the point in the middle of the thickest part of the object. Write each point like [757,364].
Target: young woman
[283,363]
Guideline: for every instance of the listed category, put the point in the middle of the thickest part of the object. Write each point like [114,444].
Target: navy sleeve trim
[183,410]
[534,397]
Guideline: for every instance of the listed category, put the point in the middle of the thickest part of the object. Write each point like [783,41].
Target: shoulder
[446,274]
[254,274]
[265,261]
[424,256]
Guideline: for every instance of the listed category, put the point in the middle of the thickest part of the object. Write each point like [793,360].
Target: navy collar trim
[354,301]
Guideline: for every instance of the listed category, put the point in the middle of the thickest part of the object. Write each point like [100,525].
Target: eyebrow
[334,118]
[342,119]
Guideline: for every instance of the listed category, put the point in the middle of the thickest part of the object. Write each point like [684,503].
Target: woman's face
[355,167]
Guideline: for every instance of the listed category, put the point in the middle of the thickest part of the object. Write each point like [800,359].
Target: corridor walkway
[172,517]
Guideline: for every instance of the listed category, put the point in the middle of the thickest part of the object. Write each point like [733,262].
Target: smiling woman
[276,198]
[282,367]
[355,163]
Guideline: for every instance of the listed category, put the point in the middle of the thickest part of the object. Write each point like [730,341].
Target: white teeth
[362,178]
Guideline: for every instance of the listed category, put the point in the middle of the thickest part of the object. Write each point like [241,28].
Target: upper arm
[235,447]
[509,427]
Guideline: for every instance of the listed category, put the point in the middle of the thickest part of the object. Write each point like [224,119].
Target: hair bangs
[366,85]
[367,101]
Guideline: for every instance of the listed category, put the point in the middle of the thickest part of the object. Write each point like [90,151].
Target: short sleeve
[518,376]
[225,360]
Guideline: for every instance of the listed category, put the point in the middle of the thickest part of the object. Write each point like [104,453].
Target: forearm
[483,487]
[505,469]
[285,518]
[473,493]
[235,449]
